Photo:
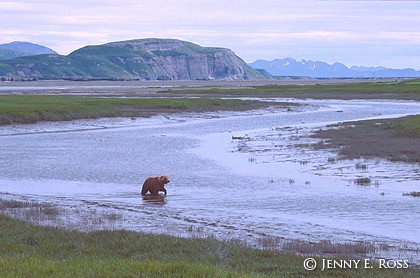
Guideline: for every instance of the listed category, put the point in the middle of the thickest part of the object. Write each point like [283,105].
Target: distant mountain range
[316,69]
[144,59]
[21,49]
[165,59]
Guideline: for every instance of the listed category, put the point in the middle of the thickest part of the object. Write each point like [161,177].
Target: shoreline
[344,89]
[54,251]
[92,217]
[369,139]
[152,88]
[33,109]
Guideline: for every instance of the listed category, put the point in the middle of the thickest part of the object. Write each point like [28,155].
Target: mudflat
[272,88]
[353,140]
[370,139]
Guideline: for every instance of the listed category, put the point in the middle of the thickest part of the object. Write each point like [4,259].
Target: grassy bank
[31,109]
[406,127]
[34,251]
[362,90]
[391,139]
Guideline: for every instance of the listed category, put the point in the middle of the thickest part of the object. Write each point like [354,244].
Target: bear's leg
[154,191]
[144,190]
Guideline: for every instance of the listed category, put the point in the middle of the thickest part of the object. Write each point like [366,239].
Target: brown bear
[154,185]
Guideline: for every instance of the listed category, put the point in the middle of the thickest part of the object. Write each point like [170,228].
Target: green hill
[145,59]
[19,49]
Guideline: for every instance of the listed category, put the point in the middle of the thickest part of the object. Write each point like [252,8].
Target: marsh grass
[363,181]
[38,251]
[343,90]
[34,251]
[269,242]
[413,194]
[361,166]
[413,82]
[407,126]
[32,109]
[328,248]
[29,211]
[13,204]
[57,216]
[27,250]
[115,267]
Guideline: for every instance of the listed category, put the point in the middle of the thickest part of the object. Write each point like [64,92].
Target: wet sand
[369,139]
[136,88]
[156,88]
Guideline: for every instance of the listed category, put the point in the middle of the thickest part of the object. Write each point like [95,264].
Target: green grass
[413,82]
[115,267]
[31,109]
[350,90]
[34,251]
[407,126]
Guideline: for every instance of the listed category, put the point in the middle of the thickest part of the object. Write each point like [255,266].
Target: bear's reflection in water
[155,199]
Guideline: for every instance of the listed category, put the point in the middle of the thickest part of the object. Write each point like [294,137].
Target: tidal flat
[32,109]
[246,176]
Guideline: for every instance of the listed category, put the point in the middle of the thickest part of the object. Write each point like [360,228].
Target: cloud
[15,6]
[251,28]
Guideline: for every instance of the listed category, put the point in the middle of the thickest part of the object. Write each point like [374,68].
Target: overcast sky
[369,33]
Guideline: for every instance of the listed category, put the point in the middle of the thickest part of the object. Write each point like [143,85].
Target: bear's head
[163,180]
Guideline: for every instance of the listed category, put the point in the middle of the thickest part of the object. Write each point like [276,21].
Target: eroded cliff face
[221,65]
[175,59]
[146,59]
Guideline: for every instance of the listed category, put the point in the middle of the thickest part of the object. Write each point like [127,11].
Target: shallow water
[253,186]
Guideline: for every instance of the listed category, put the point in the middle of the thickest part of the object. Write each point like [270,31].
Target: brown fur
[154,185]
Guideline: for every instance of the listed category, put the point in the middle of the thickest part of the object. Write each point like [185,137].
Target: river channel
[233,174]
